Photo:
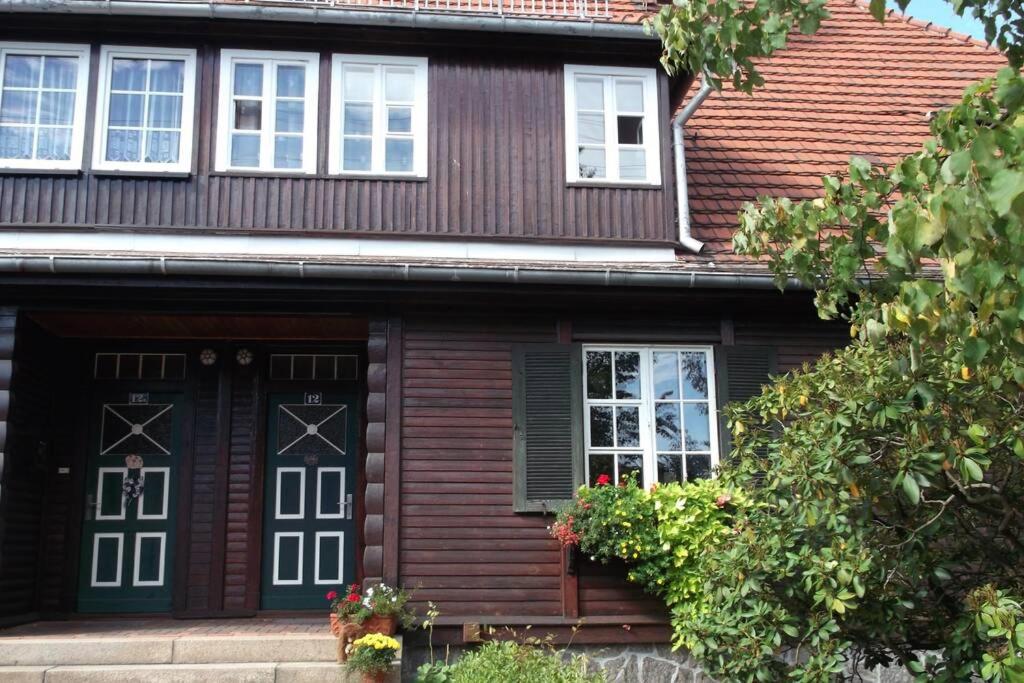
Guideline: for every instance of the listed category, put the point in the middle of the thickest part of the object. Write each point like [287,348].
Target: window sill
[612,185]
[243,173]
[20,170]
[115,173]
[402,177]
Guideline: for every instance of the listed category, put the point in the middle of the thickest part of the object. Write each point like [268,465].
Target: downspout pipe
[679,152]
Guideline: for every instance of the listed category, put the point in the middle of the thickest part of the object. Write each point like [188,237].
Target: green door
[308,533]
[131,485]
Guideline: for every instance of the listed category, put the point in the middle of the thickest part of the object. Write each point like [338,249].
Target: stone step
[168,650]
[254,672]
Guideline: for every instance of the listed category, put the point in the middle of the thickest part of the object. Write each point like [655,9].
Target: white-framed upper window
[42,105]
[145,109]
[267,112]
[378,115]
[611,125]
[649,410]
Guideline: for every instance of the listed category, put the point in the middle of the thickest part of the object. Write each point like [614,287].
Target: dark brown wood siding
[496,149]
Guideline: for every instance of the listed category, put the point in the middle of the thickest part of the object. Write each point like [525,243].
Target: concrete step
[254,672]
[168,650]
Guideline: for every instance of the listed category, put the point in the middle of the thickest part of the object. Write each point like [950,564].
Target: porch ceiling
[98,325]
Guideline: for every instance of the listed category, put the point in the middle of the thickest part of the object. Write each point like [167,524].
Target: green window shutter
[548,415]
[740,372]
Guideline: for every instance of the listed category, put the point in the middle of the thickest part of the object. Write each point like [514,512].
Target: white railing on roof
[586,9]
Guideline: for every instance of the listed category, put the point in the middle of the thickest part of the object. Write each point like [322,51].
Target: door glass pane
[128,74]
[311,429]
[631,463]
[670,468]
[60,72]
[599,374]
[136,429]
[627,374]
[167,75]
[245,150]
[249,80]
[107,559]
[698,466]
[287,151]
[356,154]
[398,155]
[695,375]
[22,71]
[627,427]
[632,164]
[666,375]
[698,432]
[291,81]
[666,425]
[290,485]
[331,493]
[590,93]
[329,565]
[154,494]
[149,569]
[592,163]
[590,127]
[601,463]
[601,426]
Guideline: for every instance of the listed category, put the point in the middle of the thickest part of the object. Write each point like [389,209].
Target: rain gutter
[679,152]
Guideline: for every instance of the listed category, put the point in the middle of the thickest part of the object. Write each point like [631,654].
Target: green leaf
[878,9]
[1004,188]
[975,349]
[911,489]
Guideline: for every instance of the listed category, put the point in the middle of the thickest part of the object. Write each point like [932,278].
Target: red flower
[723,500]
[354,588]
[353,597]
[603,480]
[332,595]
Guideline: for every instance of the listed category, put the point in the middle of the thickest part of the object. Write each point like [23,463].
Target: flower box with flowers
[373,656]
[381,609]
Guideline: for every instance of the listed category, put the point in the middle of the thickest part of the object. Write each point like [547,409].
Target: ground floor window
[649,410]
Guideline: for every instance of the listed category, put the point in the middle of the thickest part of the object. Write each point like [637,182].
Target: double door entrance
[142,438]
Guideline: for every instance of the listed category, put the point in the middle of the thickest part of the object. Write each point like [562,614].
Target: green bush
[512,662]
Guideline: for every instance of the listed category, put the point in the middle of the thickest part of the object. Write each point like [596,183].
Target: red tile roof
[854,87]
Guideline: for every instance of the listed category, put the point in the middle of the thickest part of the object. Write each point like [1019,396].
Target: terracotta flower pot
[377,624]
[379,677]
[335,625]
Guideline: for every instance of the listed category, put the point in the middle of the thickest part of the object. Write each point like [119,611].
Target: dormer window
[266,120]
[378,116]
[611,125]
[42,105]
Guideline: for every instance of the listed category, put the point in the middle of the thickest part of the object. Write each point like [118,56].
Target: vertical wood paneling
[241,513]
[203,485]
[495,168]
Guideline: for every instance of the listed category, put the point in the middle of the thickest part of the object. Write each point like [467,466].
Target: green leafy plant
[373,653]
[349,606]
[387,601]
[513,662]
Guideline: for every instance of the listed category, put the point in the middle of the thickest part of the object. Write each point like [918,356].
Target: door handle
[347,505]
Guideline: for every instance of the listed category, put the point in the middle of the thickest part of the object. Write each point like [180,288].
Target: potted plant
[348,609]
[372,656]
[388,608]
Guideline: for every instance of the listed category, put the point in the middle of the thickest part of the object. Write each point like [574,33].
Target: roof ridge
[929,26]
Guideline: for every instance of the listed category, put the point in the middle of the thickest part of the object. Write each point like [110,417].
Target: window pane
[670,469]
[698,467]
[128,74]
[398,155]
[291,81]
[601,426]
[290,116]
[165,111]
[695,374]
[698,432]
[599,374]
[632,164]
[287,151]
[590,93]
[630,463]
[399,85]
[631,130]
[249,80]
[18,106]
[15,143]
[125,110]
[21,71]
[627,374]
[167,75]
[399,119]
[666,375]
[124,145]
[248,115]
[601,463]
[629,96]
[356,154]
[666,427]
[359,83]
[162,147]
[54,144]
[56,108]
[358,119]
[60,72]
[245,150]
[592,163]
[627,427]
[590,127]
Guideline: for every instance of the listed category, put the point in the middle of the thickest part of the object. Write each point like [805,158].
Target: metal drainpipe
[679,151]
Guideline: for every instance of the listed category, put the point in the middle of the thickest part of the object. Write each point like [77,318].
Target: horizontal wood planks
[496,151]
[460,543]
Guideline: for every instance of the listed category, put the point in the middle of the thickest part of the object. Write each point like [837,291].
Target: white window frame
[419,115]
[648,436]
[320,472]
[188,110]
[74,162]
[651,127]
[301,514]
[162,535]
[225,114]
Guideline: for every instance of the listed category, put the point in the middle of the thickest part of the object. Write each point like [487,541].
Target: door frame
[93,388]
[264,387]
